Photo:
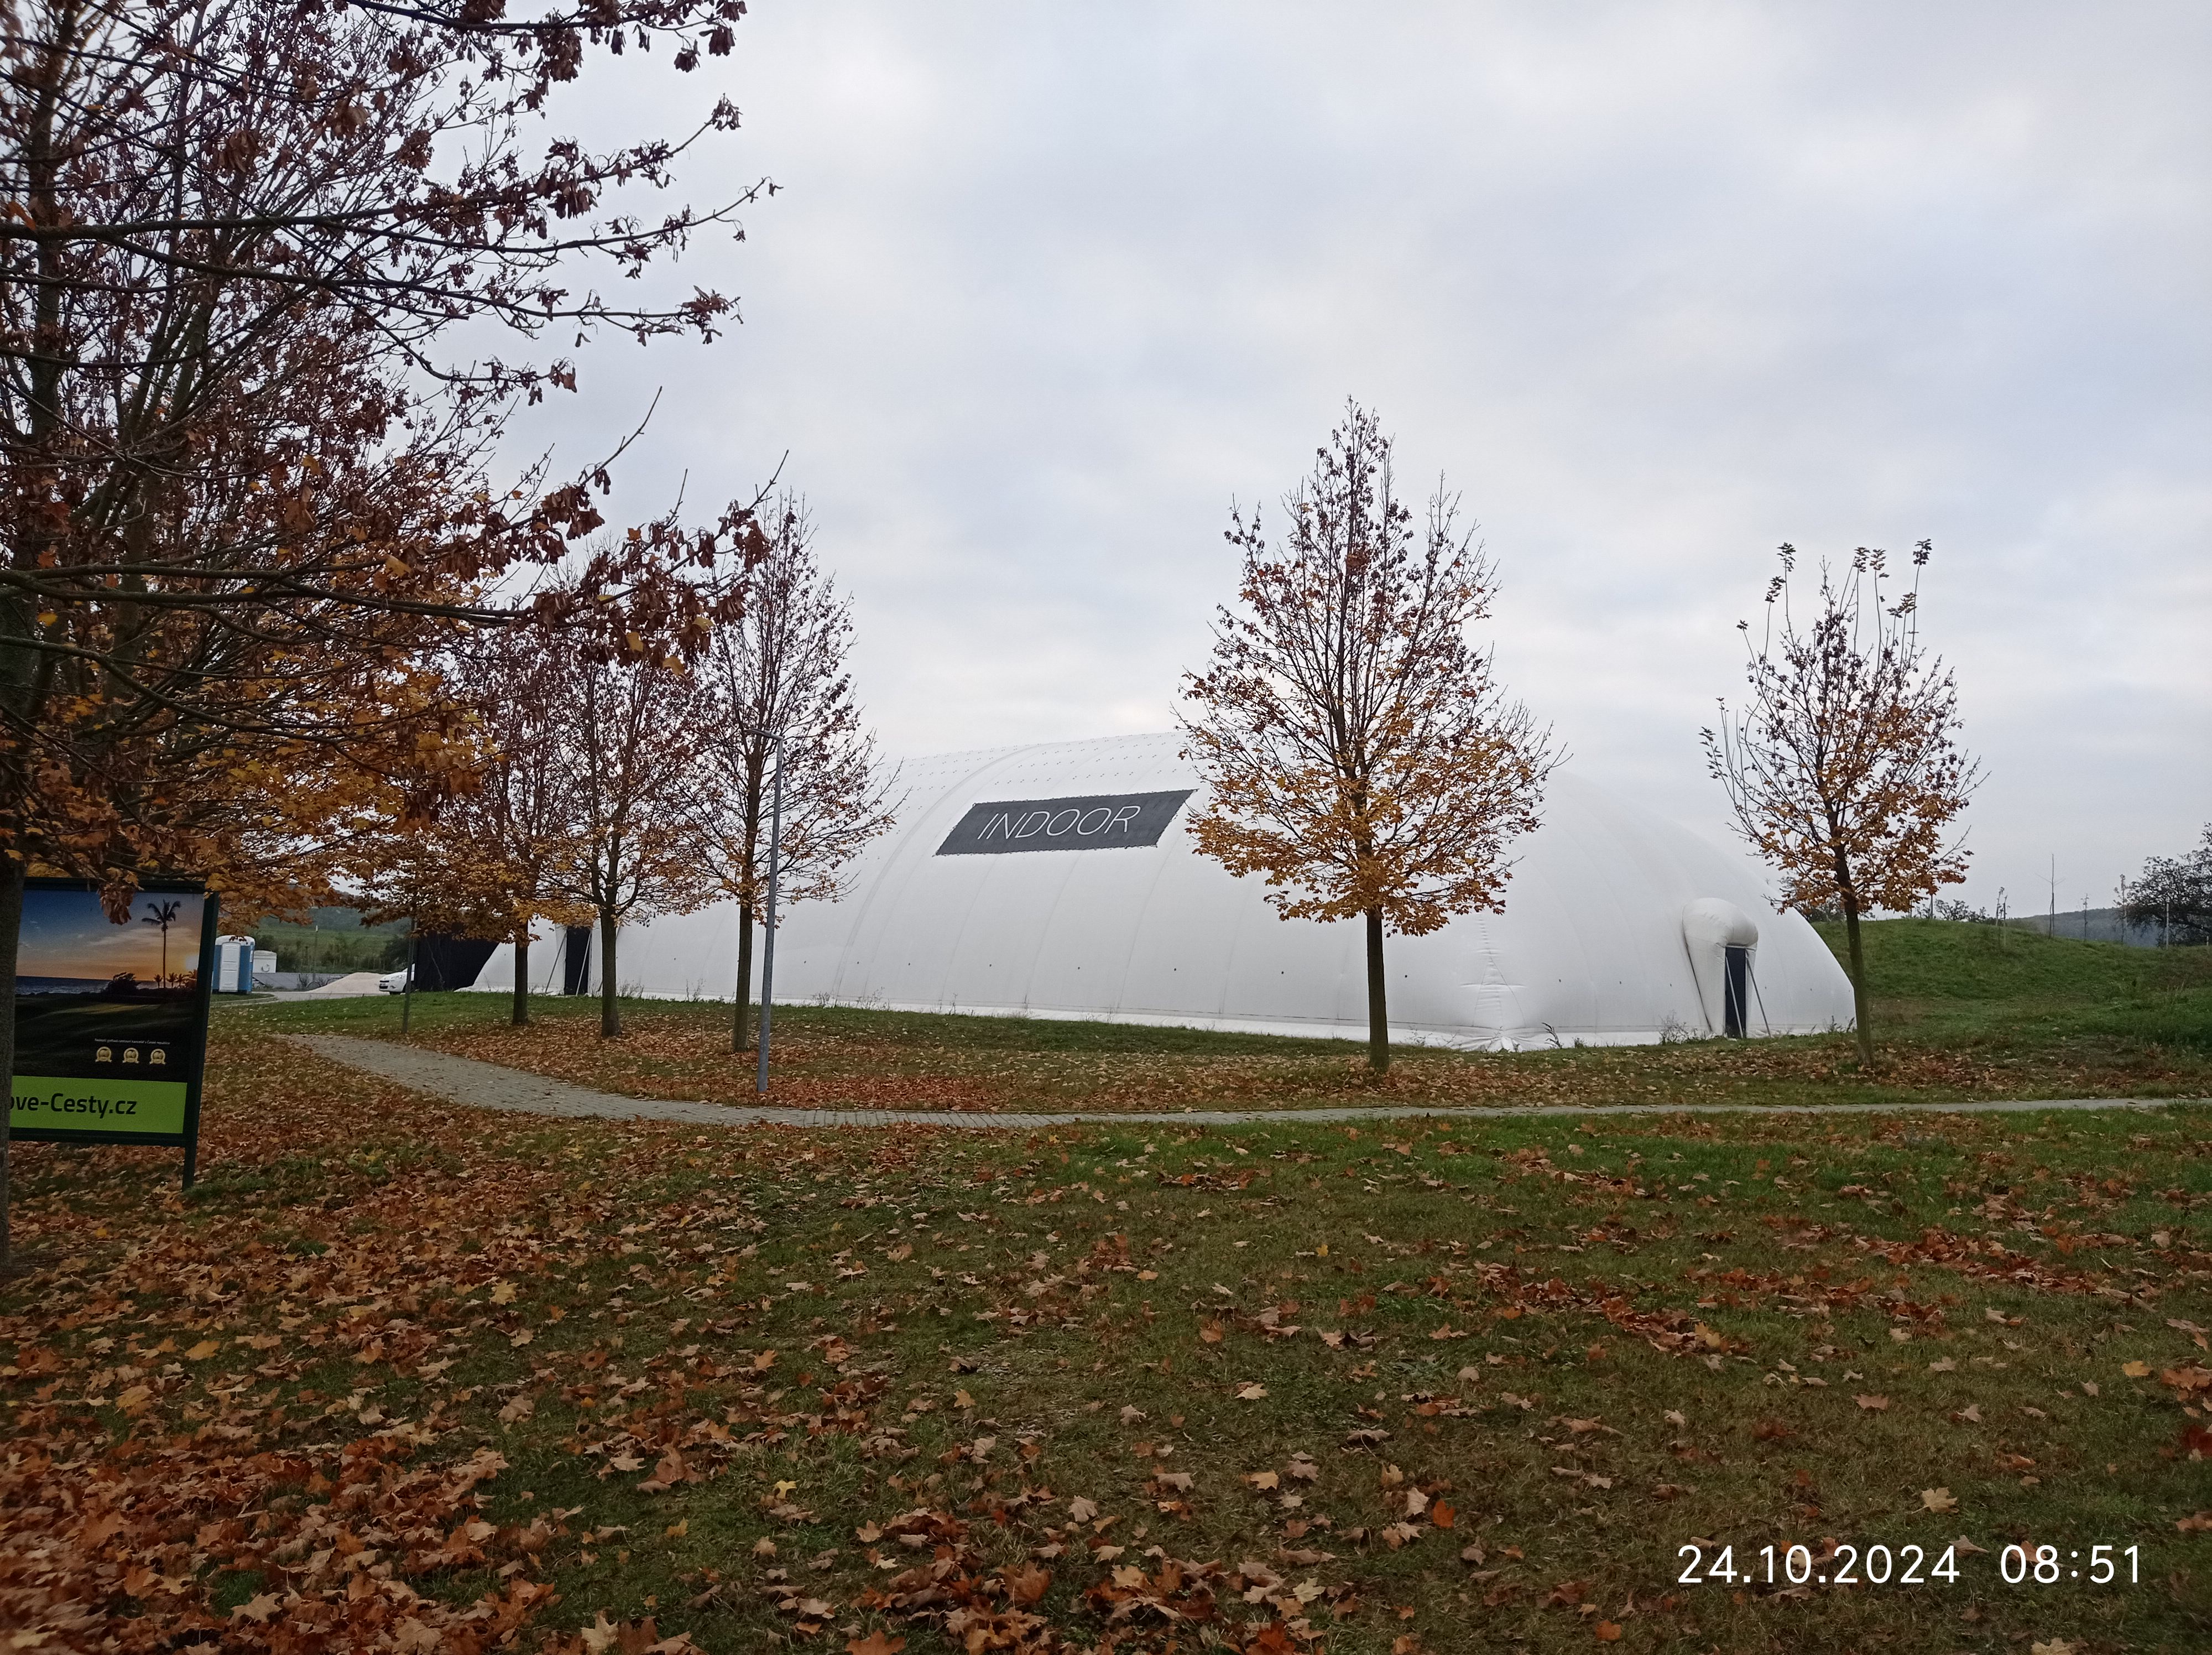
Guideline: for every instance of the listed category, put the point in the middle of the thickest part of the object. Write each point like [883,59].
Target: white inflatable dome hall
[1060,880]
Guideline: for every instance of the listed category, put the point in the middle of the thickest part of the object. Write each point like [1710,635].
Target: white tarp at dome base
[1059,880]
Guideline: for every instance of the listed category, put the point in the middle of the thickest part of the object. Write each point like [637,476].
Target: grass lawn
[403,1376]
[1962,1012]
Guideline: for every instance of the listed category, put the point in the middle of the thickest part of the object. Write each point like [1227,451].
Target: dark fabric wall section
[576,961]
[448,962]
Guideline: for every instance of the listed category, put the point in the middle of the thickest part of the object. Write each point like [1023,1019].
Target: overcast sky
[1657,286]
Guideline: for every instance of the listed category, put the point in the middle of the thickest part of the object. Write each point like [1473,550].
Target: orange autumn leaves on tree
[1841,767]
[1357,754]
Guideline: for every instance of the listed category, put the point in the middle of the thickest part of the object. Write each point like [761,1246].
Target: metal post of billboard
[211,919]
[768,948]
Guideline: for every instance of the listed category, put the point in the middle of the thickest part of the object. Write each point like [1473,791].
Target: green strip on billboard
[121,1104]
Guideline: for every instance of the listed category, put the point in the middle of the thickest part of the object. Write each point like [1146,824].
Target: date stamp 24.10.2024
[1878,1564]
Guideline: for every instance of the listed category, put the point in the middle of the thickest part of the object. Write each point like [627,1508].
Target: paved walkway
[492,1086]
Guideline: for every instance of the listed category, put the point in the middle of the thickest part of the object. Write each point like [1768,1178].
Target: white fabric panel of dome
[1608,911]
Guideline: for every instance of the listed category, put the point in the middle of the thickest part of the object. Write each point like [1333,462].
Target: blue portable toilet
[234,966]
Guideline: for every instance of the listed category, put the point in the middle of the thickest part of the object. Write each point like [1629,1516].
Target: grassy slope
[1913,961]
[1590,1341]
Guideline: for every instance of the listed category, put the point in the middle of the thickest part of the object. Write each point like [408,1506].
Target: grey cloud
[1657,286]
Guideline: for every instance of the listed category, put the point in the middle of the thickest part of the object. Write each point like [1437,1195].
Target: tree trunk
[741,1021]
[1851,900]
[1378,1008]
[609,1013]
[522,1017]
[11,927]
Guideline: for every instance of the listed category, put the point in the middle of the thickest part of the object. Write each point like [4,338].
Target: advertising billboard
[110,1016]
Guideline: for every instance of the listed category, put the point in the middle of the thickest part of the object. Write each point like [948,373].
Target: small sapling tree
[1842,767]
[778,675]
[1357,754]
[632,738]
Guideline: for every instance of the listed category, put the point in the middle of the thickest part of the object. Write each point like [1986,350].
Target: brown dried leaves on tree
[242,488]
[1841,766]
[632,733]
[1357,753]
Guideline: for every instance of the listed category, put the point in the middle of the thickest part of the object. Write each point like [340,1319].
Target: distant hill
[2089,925]
[337,941]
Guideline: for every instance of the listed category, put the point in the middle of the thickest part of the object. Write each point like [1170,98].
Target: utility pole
[2051,929]
[767,948]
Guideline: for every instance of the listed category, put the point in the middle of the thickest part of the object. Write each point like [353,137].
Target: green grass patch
[1285,1386]
[1960,1011]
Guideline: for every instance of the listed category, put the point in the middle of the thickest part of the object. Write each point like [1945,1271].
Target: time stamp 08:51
[1907,1565]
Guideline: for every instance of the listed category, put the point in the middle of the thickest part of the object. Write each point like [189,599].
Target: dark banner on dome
[1118,821]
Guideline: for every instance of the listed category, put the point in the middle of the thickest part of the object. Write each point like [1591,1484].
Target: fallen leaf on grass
[2198,1523]
[666,1475]
[2136,1370]
[875,1643]
[1608,1632]
[1250,1393]
[1938,1499]
[1875,1405]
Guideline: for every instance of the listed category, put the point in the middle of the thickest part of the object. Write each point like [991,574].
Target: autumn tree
[2174,895]
[514,829]
[777,682]
[632,738]
[243,482]
[1842,766]
[1357,751]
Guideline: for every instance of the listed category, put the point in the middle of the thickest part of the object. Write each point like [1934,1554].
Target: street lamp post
[768,950]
